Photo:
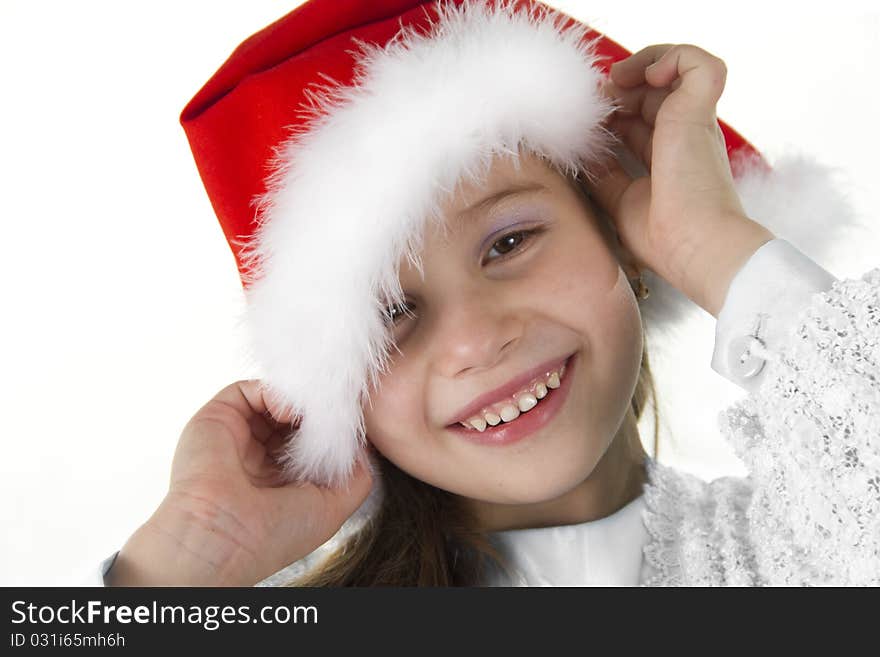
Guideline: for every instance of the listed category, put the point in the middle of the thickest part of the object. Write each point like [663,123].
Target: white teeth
[478,423]
[527,402]
[509,412]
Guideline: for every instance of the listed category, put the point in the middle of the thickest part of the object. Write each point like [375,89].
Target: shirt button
[742,362]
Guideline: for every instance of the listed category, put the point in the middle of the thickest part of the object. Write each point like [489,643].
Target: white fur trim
[353,193]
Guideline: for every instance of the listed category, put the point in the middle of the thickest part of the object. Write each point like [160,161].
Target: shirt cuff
[97,576]
[763,302]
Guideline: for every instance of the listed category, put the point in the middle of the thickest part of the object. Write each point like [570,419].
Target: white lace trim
[809,512]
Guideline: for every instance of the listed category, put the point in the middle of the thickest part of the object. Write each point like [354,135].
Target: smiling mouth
[508,409]
[527,424]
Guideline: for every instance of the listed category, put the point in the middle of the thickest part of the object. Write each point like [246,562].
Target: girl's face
[525,278]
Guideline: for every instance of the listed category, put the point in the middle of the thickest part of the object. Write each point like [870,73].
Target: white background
[122,295]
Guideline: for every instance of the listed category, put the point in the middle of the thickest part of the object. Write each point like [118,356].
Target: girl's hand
[227,520]
[684,221]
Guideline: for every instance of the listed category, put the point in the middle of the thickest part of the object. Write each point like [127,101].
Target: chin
[541,478]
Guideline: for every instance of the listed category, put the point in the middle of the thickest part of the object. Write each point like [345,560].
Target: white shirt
[603,552]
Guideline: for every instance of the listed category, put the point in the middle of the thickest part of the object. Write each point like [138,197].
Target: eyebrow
[483,205]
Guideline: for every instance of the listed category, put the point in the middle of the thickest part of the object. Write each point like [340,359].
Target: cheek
[581,279]
[592,297]
[620,330]
[615,352]
[393,413]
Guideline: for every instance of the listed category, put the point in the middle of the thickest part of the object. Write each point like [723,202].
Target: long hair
[422,535]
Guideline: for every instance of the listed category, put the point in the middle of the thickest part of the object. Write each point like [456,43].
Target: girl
[445,290]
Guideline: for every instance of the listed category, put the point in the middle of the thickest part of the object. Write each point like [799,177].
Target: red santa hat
[329,140]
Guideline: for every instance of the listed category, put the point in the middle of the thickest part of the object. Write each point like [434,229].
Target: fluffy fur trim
[353,193]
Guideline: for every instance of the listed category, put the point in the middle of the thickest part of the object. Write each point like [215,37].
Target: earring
[640,289]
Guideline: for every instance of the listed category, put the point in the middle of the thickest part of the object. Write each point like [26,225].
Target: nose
[476,331]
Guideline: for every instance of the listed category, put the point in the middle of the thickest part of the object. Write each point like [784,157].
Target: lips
[527,425]
[508,389]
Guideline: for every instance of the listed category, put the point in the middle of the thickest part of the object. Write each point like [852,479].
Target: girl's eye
[507,246]
[395,312]
[513,242]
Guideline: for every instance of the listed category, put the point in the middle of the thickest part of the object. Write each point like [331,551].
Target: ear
[626,259]
[605,225]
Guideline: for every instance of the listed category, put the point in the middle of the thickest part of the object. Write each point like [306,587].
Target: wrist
[175,547]
[712,270]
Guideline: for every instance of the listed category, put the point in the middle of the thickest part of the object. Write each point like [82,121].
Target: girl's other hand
[684,221]
[227,519]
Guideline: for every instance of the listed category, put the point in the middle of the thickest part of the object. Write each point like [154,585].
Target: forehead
[473,202]
[506,177]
